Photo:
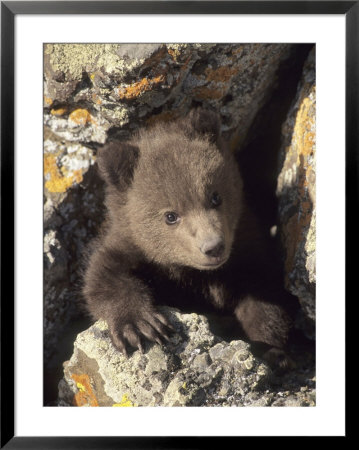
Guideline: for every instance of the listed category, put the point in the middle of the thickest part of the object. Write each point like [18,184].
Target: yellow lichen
[56,182]
[304,140]
[125,402]
[47,101]
[59,181]
[304,128]
[81,117]
[58,111]
[80,387]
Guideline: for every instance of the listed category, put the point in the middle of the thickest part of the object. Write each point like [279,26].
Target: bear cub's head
[174,191]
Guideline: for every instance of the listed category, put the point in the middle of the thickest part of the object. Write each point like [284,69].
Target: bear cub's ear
[205,122]
[117,162]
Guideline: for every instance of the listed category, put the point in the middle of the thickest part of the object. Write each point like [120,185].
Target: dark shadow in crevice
[259,155]
[259,162]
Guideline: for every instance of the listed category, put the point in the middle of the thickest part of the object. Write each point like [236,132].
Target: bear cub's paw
[133,330]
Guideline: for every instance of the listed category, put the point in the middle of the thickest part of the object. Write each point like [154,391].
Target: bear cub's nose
[213,247]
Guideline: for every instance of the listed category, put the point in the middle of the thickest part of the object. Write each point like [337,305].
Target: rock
[296,193]
[95,93]
[72,213]
[98,92]
[196,368]
[93,90]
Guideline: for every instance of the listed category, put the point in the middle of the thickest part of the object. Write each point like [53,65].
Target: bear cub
[178,232]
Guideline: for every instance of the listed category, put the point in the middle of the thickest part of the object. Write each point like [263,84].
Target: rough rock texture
[72,213]
[93,91]
[97,92]
[196,368]
[296,192]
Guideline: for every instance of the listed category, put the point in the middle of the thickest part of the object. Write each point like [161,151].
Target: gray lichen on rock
[196,368]
[120,85]
[94,93]
[72,213]
[97,92]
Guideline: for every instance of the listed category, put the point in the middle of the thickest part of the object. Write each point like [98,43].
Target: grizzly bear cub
[179,233]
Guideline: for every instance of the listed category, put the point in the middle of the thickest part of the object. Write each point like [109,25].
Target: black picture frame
[9,10]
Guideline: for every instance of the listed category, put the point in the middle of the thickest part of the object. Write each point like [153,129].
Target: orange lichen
[81,117]
[156,58]
[301,149]
[58,182]
[58,111]
[304,126]
[85,395]
[138,88]
[304,138]
[47,101]
[222,74]
[306,113]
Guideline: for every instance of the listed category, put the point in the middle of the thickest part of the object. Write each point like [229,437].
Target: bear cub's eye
[171,218]
[216,200]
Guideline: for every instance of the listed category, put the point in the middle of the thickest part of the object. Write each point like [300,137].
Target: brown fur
[213,256]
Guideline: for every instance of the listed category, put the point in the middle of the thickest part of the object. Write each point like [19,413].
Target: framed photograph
[209,150]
